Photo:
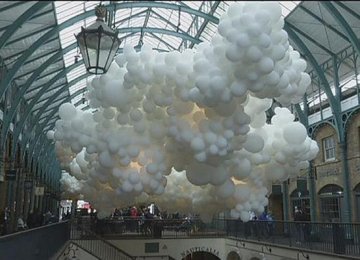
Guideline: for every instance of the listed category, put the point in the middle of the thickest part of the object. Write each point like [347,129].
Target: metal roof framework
[37,48]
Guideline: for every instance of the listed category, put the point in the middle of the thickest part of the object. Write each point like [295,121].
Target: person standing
[134,216]
[298,218]
[270,223]
[21,225]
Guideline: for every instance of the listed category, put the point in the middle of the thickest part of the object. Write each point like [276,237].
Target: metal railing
[81,235]
[45,241]
[154,228]
[336,238]
[157,257]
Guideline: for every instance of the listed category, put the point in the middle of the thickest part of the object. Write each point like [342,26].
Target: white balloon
[67,111]
[201,111]
[254,143]
[50,134]
[295,133]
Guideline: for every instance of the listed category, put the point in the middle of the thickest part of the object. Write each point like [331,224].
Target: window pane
[329,148]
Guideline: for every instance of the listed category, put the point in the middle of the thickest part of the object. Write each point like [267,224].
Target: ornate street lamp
[98,44]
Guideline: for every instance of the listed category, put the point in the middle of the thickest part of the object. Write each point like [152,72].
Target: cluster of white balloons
[191,126]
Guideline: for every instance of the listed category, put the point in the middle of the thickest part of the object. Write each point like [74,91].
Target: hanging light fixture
[98,44]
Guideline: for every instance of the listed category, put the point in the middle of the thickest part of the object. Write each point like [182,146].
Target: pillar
[312,192]
[347,211]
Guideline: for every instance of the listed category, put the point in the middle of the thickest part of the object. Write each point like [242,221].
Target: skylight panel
[44,116]
[67,36]
[49,122]
[156,21]
[135,22]
[121,16]
[80,85]
[73,74]
[166,13]
[165,47]
[288,6]
[151,40]
[174,41]
[185,21]
[56,103]
[85,107]
[69,57]
[38,105]
[77,99]
[50,93]
[68,10]
[131,40]
[194,4]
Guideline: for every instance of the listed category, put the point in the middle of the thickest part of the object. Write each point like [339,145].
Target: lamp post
[98,44]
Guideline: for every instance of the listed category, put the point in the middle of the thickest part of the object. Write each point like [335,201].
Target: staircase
[96,245]
[82,237]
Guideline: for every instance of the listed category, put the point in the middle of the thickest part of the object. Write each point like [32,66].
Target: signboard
[200,249]
[151,247]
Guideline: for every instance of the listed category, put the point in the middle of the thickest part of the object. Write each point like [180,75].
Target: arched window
[201,255]
[331,197]
[233,256]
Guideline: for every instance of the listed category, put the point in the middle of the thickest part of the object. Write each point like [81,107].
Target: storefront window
[330,203]
[301,200]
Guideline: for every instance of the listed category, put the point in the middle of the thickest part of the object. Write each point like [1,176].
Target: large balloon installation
[188,130]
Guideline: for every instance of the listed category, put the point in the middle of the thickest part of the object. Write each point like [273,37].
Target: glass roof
[166,26]
[41,61]
[144,16]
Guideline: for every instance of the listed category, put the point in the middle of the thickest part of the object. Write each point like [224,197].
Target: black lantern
[98,44]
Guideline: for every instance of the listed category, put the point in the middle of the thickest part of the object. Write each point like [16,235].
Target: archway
[331,197]
[233,256]
[300,200]
[201,255]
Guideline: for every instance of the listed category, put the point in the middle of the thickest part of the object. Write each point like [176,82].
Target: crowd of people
[260,226]
[142,219]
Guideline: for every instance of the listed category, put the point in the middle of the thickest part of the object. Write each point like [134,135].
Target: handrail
[88,251]
[97,237]
[36,243]
[67,245]
[139,257]
[292,221]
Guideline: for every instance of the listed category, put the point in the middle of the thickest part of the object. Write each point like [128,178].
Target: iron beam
[20,21]
[309,38]
[323,22]
[38,95]
[343,24]
[49,101]
[8,117]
